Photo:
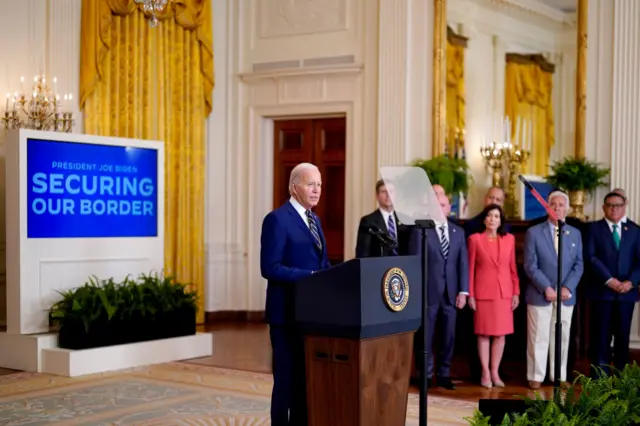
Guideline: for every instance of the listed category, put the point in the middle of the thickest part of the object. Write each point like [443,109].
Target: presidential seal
[395,289]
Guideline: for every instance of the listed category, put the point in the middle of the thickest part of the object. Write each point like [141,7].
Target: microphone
[382,236]
[538,197]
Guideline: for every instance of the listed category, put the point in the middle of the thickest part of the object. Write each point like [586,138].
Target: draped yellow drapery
[528,96]
[156,83]
[455,96]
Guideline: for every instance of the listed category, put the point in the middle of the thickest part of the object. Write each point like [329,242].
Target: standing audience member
[292,247]
[447,286]
[541,266]
[613,250]
[382,219]
[494,290]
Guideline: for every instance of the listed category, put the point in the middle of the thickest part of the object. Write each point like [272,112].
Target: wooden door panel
[330,150]
[323,143]
[293,145]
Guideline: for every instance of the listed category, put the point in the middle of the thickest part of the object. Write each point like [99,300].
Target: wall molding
[340,71]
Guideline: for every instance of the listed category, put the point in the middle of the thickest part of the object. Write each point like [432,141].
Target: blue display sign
[532,207]
[81,190]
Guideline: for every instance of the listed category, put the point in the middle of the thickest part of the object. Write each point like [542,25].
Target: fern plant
[601,401]
[452,173]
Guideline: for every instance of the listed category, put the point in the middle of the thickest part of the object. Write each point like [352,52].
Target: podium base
[358,382]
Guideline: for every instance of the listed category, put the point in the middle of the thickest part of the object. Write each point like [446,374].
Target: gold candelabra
[493,155]
[507,160]
[516,160]
[43,111]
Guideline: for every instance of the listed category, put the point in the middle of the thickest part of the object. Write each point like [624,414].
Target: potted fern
[107,312]
[451,173]
[604,400]
[580,178]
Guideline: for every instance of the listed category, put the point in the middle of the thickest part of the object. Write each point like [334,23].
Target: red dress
[493,281]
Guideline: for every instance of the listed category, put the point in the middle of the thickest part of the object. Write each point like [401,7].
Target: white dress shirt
[301,210]
[385,216]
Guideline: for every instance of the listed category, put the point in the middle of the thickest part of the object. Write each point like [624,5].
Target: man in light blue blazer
[541,266]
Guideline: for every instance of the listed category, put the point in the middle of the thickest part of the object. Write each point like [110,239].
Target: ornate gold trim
[581,80]
[456,39]
[536,59]
[439,76]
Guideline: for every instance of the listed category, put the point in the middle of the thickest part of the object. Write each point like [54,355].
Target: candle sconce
[506,161]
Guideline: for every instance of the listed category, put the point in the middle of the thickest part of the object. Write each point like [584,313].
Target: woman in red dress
[494,290]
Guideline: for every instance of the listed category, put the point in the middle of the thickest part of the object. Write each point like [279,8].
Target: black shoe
[446,383]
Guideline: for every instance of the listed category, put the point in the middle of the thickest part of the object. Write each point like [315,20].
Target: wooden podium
[358,346]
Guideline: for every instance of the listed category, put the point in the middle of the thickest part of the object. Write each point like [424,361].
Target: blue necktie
[313,227]
[392,234]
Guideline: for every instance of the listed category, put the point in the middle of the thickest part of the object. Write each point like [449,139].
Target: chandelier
[153,7]
[44,111]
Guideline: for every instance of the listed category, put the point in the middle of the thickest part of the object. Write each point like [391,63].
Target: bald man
[495,195]
[447,286]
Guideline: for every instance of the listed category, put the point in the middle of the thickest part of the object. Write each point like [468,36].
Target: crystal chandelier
[153,7]
[44,111]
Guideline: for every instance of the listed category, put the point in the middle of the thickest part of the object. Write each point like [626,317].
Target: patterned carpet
[173,394]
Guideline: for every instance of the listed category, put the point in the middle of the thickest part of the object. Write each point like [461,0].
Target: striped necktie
[313,227]
[444,241]
[392,233]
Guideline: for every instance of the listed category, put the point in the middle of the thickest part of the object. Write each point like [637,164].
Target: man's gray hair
[298,171]
[558,194]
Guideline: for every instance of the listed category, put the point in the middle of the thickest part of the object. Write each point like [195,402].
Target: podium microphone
[552,215]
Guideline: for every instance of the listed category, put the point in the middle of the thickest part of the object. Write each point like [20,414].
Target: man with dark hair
[383,220]
[613,249]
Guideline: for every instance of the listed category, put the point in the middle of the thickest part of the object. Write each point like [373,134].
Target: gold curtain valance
[536,59]
[456,39]
[97,18]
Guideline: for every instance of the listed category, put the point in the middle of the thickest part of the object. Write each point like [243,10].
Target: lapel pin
[573,244]
[625,228]
[566,232]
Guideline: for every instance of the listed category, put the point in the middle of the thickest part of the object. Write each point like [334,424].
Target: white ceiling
[564,5]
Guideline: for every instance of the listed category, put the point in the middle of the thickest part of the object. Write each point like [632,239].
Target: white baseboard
[70,363]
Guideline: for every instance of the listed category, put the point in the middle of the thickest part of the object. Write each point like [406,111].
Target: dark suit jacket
[287,254]
[369,246]
[609,262]
[474,226]
[451,274]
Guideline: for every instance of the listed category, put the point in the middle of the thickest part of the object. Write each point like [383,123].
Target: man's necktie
[444,241]
[616,236]
[555,238]
[313,227]
[392,233]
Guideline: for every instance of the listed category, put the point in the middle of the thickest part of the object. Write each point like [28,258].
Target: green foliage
[452,173]
[107,300]
[601,401]
[577,174]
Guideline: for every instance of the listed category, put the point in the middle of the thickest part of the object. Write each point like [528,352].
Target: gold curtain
[455,102]
[528,96]
[156,83]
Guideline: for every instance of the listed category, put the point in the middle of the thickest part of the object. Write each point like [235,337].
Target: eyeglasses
[614,206]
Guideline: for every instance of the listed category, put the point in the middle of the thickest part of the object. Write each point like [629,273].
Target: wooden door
[323,143]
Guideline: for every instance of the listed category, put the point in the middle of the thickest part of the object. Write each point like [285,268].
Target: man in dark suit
[385,220]
[292,247]
[613,250]
[447,289]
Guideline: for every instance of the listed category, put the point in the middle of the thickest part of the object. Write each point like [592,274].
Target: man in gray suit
[541,266]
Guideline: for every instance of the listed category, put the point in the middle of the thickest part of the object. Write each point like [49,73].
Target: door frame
[267,96]
[262,128]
